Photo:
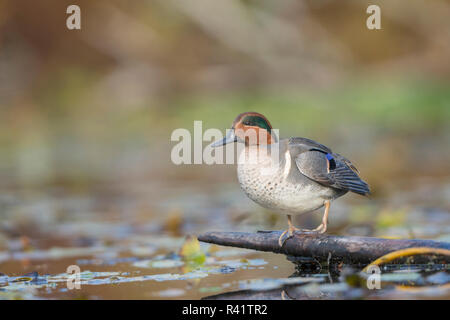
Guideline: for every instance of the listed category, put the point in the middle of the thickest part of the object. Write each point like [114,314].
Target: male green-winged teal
[304,176]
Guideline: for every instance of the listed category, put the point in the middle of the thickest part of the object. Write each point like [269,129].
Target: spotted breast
[268,176]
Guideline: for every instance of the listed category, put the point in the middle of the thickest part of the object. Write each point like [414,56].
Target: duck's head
[251,128]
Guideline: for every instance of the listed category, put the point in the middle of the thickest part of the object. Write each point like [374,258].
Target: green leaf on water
[191,252]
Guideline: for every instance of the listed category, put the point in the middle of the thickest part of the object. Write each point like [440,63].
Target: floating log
[352,249]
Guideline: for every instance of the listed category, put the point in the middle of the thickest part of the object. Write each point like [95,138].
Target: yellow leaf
[191,251]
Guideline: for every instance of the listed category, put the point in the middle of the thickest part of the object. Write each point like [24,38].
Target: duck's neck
[262,154]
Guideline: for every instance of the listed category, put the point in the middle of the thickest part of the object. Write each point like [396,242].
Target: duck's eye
[247,123]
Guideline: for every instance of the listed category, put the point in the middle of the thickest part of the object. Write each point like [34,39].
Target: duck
[290,176]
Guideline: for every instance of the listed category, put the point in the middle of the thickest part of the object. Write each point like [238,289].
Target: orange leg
[322,228]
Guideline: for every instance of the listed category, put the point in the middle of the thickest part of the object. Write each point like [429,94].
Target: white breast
[266,182]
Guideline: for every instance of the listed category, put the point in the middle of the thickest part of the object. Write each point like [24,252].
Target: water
[130,242]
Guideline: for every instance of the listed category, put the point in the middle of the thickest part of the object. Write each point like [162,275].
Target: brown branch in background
[355,250]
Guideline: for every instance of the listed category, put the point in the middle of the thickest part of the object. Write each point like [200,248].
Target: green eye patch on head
[256,121]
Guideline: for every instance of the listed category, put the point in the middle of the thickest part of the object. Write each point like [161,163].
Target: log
[351,249]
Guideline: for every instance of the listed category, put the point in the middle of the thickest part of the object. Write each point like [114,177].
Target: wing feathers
[315,164]
[345,177]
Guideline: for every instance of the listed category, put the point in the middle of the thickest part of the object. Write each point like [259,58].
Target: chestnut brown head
[251,128]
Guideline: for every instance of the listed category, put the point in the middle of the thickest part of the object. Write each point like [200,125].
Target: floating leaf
[22,279]
[158,263]
[400,276]
[191,252]
[143,251]
[170,293]
[210,289]
[231,252]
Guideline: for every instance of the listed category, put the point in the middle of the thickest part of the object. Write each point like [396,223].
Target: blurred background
[86,115]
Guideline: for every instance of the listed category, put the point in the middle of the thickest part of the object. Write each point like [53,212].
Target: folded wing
[318,163]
